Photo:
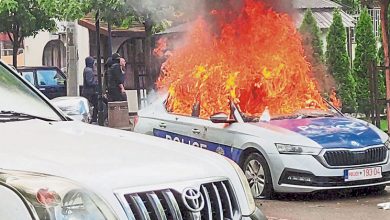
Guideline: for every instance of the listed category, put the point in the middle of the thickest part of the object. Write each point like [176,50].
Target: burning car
[305,151]
[56,168]
[247,91]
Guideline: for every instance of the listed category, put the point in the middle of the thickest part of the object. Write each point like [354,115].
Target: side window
[49,78]
[194,111]
[29,76]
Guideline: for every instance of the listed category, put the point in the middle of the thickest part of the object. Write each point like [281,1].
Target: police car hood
[334,132]
[94,155]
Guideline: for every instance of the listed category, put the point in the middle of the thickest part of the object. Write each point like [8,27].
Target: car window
[16,96]
[29,76]
[49,78]
[195,110]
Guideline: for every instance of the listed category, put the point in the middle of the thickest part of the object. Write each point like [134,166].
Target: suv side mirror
[221,118]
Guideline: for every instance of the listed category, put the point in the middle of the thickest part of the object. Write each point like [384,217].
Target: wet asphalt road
[345,205]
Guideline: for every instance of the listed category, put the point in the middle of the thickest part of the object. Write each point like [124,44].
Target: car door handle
[163,125]
[196,131]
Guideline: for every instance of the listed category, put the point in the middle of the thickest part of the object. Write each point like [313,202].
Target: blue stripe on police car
[230,152]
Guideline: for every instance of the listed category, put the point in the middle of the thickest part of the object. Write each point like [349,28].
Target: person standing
[115,75]
[90,86]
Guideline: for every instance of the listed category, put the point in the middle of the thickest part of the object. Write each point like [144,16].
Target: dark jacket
[90,82]
[115,76]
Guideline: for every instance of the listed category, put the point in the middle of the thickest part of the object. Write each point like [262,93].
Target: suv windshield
[49,78]
[16,96]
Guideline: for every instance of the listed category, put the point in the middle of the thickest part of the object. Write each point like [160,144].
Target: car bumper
[314,176]
[257,215]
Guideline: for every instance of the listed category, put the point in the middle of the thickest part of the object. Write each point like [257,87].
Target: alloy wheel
[254,173]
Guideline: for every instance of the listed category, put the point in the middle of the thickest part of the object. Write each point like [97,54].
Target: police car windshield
[16,96]
[298,114]
[305,113]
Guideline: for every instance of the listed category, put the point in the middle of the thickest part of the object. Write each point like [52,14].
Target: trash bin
[118,115]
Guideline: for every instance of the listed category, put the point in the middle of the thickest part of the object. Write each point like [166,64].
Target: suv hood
[333,132]
[91,154]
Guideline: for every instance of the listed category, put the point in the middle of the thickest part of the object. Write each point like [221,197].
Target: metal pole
[99,71]
[385,42]
[376,95]
[109,41]
[148,52]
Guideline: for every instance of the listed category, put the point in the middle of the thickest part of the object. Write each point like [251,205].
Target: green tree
[338,63]
[311,36]
[381,74]
[365,56]
[113,12]
[350,6]
[21,19]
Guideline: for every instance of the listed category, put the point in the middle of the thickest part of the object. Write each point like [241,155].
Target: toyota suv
[54,168]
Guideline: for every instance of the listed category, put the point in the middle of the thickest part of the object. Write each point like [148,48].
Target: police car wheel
[258,175]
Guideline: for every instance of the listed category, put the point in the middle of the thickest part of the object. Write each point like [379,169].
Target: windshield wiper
[315,115]
[19,116]
[300,116]
[286,117]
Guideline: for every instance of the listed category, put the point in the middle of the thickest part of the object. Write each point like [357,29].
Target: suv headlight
[387,143]
[56,198]
[245,184]
[297,149]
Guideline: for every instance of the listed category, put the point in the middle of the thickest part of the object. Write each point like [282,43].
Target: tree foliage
[311,35]
[350,6]
[21,19]
[365,56]
[338,63]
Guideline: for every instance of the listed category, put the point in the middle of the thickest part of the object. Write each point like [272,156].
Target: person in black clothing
[115,80]
[90,86]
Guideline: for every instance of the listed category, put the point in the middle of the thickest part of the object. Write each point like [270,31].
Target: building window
[376,19]
[54,54]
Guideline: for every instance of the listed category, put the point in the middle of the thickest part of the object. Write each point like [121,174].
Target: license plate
[363,174]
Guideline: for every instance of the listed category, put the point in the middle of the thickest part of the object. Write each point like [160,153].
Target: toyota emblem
[193,199]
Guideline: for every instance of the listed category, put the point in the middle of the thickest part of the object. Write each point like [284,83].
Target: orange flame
[334,100]
[160,47]
[256,60]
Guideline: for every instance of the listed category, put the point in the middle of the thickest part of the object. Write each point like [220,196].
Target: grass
[384,125]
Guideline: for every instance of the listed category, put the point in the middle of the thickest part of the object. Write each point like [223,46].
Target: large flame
[256,60]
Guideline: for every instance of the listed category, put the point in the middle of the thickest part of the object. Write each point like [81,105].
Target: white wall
[82,35]
[33,48]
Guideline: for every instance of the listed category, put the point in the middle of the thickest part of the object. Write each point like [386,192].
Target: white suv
[55,168]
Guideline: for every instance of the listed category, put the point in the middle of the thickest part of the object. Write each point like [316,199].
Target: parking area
[357,205]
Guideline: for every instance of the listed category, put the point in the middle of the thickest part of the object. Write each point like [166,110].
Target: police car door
[181,128]
[221,138]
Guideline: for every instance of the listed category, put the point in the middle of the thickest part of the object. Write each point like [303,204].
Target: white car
[55,168]
[307,151]
[76,107]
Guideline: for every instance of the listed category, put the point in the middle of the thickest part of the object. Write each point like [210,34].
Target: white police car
[55,168]
[307,151]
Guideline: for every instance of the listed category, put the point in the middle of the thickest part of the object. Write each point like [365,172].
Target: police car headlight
[55,198]
[245,184]
[387,143]
[297,149]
